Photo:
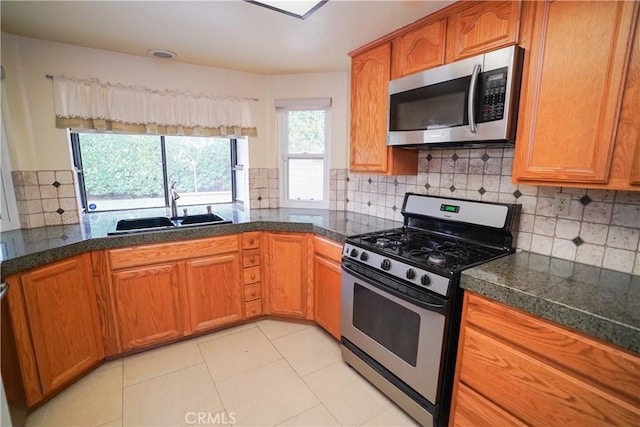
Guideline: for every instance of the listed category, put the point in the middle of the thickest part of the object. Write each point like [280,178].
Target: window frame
[77,163]
[284,156]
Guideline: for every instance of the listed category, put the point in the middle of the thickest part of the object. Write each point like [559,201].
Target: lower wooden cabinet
[289,292]
[55,324]
[326,284]
[214,291]
[148,305]
[517,369]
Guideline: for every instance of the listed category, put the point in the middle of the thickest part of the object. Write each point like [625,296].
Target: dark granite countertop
[595,301]
[24,249]
[598,302]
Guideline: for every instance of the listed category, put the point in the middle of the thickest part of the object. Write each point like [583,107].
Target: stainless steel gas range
[401,302]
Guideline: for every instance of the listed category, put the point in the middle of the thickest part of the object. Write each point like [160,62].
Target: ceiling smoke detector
[162,53]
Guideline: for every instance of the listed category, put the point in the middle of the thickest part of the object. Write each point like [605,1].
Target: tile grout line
[213,383]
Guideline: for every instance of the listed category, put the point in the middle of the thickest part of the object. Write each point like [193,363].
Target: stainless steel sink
[157,223]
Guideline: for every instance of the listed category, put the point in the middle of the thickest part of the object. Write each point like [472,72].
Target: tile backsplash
[45,198]
[602,228]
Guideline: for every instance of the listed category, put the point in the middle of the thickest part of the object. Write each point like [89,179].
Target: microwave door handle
[471,110]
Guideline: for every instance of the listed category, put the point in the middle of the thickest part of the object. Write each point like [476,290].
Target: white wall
[27,97]
[322,85]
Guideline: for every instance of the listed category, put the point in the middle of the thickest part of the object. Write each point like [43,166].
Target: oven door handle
[434,304]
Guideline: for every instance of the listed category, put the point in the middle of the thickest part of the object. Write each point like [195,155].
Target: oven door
[399,332]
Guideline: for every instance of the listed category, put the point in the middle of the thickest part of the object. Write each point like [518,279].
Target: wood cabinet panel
[251,275]
[250,258]
[63,319]
[473,410]
[251,240]
[214,290]
[327,248]
[105,303]
[481,27]
[575,62]
[164,252]
[370,74]
[253,308]
[288,274]
[326,285]
[148,305]
[419,49]
[539,373]
[618,371]
[253,291]
[538,393]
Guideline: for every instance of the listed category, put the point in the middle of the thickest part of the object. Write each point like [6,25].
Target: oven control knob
[354,252]
[385,265]
[411,274]
[425,280]
[364,256]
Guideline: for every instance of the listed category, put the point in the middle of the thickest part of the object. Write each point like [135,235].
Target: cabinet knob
[253,276]
[251,241]
[253,293]
[252,259]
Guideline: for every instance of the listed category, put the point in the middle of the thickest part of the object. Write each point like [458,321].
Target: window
[136,171]
[303,135]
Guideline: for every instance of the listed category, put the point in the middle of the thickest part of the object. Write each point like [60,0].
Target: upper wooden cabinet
[479,27]
[419,49]
[572,130]
[369,153]
[289,293]
[517,369]
[55,320]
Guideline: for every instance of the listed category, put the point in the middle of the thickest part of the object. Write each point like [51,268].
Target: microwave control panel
[494,87]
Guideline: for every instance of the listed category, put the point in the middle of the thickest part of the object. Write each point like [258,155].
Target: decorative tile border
[45,198]
[602,228]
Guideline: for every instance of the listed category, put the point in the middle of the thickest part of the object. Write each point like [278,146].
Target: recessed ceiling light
[161,53]
[299,9]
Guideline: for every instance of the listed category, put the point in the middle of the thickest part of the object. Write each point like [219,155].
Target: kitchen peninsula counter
[595,301]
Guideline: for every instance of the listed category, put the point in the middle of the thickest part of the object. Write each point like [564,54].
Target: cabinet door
[370,73]
[576,55]
[419,49]
[326,285]
[482,27]
[288,274]
[61,307]
[214,289]
[148,305]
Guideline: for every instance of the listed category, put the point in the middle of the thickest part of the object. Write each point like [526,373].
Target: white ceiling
[229,34]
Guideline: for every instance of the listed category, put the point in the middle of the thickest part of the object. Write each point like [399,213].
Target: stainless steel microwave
[471,101]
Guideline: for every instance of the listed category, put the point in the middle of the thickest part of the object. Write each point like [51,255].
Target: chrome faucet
[174,196]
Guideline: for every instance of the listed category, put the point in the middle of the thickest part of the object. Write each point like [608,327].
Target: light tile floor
[265,373]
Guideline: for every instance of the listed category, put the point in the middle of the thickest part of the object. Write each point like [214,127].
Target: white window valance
[90,104]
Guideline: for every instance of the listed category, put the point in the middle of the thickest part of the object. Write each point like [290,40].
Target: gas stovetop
[440,238]
[426,248]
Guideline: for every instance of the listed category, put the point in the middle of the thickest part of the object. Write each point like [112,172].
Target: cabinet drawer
[251,240]
[252,292]
[251,257]
[251,275]
[471,409]
[253,308]
[540,394]
[567,350]
[163,252]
